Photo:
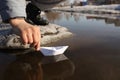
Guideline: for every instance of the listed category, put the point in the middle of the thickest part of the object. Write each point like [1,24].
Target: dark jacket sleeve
[12,8]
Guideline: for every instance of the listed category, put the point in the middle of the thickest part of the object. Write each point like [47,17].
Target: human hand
[30,34]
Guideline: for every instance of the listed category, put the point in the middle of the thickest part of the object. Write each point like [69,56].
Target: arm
[10,10]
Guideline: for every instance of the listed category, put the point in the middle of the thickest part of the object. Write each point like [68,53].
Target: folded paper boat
[52,51]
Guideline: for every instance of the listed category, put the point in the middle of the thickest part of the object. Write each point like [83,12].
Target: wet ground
[93,53]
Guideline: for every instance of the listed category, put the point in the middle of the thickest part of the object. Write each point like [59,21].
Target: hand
[30,33]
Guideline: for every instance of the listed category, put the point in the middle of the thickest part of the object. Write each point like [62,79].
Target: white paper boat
[51,51]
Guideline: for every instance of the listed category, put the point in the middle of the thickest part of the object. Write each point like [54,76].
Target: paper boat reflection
[51,51]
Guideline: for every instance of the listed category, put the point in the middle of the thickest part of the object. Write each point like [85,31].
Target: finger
[24,38]
[38,46]
[39,42]
[30,38]
[36,41]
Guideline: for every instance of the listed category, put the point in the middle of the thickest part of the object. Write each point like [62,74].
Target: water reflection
[52,16]
[33,66]
[57,16]
[116,22]
[59,70]
[25,67]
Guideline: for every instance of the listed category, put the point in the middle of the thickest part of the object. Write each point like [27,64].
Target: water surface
[95,46]
[93,52]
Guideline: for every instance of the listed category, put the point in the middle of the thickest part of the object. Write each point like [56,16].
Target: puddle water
[93,52]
